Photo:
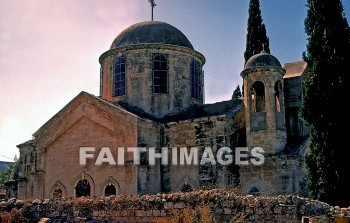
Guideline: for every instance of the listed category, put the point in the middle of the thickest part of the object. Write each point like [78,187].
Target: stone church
[152,95]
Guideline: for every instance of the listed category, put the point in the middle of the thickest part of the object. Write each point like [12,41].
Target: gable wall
[84,122]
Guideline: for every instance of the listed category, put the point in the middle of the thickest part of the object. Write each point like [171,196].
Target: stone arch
[83,188]
[109,183]
[264,187]
[85,176]
[254,190]
[186,188]
[57,193]
[58,190]
[187,184]
[110,190]
[257,97]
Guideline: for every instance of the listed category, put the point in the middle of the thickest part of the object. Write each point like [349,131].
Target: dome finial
[153,4]
[263,50]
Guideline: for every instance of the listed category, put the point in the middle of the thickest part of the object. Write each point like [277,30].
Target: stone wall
[278,175]
[148,176]
[224,205]
[214,132]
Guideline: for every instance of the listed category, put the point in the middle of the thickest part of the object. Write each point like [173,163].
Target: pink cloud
[49,53]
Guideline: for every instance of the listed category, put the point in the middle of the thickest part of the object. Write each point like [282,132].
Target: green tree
[257,39]
[5,174]
[237,93]
[325,101]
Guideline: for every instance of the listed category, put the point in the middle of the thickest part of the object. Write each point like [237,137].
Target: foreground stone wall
[224,205]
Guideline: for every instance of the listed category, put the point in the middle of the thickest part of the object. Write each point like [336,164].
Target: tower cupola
[264,106]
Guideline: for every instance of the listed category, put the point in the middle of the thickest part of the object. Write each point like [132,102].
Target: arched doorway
[83,188]
[110,190]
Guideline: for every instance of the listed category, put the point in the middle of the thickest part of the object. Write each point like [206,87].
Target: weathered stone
[179,205]
[168,205]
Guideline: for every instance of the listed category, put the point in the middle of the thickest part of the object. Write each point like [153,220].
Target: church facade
[152,95]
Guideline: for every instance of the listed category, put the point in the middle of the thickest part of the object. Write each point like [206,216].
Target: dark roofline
[226,108]
[28,142]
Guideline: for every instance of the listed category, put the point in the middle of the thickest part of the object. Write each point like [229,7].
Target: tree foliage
[237,93]
[325,101]
[257,39]
[5,174]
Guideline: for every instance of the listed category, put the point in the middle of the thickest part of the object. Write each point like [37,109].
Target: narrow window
[119,76]
[196,85]
[110,190]
[278,95]
[160,74]
[82,188]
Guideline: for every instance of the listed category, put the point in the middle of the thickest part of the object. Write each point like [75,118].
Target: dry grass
[205,215]
[189,216]
[238,218]
[15,216]
[202,214]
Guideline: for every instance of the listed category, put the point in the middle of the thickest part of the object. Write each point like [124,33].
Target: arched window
[160,74]
[196,82]
[119,76]
[110,190]
[278,95]
[254,191]
[257,97]
[186,188]
[57,193]
[83,188]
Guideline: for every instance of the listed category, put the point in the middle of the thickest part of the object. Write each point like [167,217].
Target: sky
[49,49]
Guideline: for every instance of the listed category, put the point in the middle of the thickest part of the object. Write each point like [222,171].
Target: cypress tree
[256,35]
[237,93]
[325,101]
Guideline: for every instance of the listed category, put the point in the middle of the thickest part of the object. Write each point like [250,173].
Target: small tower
[264,109]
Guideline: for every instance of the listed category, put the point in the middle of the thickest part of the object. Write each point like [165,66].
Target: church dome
[151,32]
[262,59]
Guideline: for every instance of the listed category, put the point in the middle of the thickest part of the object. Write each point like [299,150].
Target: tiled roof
[294,69]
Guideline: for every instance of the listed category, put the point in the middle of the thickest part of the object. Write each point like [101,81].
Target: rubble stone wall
[224,205]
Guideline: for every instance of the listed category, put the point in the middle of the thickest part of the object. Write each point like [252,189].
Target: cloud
[7,136]
[49,53]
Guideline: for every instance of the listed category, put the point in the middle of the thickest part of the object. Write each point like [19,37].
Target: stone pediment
[84,105]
